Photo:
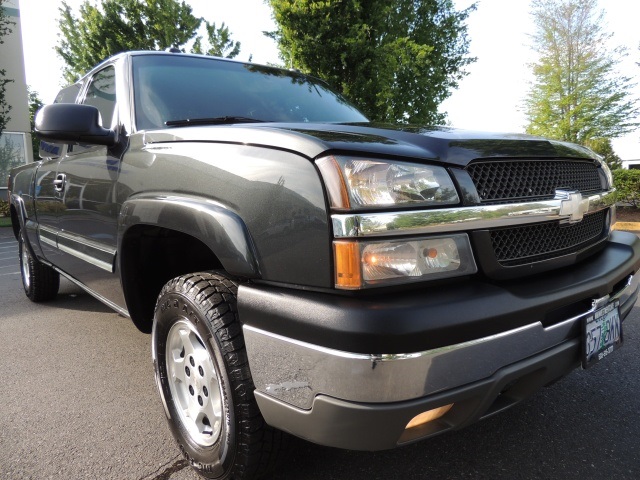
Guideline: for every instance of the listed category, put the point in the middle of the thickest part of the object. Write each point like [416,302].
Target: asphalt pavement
[78,401]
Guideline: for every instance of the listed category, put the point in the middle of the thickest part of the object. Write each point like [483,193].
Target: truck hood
[439,144]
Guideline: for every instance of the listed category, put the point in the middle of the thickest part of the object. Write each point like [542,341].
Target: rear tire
[204,381]
[41,282]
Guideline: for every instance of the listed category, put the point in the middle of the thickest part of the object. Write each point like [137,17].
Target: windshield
[174,88]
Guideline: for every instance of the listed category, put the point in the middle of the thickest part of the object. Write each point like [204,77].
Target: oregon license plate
[602,334]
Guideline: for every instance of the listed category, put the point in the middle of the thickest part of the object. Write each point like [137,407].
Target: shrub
[627,184]
[4,209]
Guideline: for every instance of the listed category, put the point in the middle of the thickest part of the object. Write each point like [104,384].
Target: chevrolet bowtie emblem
[572,206]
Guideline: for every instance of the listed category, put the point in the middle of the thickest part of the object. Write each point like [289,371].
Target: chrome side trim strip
[295,372]
[90,251]
[357,225]
[87,258]
[87,250]
[48,236]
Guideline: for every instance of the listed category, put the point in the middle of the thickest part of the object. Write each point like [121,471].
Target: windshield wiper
[212,121]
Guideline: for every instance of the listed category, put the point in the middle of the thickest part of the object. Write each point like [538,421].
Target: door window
[102,95]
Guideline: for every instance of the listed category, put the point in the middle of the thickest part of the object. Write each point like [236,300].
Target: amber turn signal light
[347,261]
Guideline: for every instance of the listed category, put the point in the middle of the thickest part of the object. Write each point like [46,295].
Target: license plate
[602,334]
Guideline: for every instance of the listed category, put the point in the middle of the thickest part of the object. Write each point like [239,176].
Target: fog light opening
[428,416]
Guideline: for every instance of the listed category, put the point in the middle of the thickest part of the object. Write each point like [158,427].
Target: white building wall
[15,141]
[631,164]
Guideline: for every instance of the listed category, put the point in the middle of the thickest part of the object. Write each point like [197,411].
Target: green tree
[5,28]
[604,148]
[113,26]
[219,42]
[577,94]
[35,104]
[10,157]
[396,59]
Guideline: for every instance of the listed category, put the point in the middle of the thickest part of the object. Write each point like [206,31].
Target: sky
[489,98]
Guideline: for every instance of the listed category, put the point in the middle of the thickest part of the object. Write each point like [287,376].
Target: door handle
[60,182]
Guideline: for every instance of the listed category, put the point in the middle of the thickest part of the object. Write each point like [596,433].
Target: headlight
[377,263]
[354,183]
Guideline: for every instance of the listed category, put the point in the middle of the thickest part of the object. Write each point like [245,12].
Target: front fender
[214,224]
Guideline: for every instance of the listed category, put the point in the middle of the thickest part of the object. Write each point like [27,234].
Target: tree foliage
[577,94]
[10,157]
[219,42]
[35,104]
[5,28]
[604,148]
[113,26]
[627,185]
[5,23]
[396,59]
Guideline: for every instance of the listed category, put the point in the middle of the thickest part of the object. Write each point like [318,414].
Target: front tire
[41,282]
[204,380]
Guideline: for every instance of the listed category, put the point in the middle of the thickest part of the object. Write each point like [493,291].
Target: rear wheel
[41,282]
[204,379]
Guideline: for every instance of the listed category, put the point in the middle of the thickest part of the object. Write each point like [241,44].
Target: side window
[68,94]
[102,94]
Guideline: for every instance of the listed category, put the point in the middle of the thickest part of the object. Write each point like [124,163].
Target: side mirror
[72,123]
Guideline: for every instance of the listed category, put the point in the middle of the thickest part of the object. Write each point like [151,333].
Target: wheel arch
[20,223]
[16,221]
[165,236]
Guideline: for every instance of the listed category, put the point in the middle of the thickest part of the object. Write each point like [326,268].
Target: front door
[87,224]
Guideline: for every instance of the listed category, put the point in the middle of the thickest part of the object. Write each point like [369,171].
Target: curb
[627,226]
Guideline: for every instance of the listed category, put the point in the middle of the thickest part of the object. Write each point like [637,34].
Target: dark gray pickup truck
[302,270]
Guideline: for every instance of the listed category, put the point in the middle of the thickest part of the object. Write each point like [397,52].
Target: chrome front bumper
[296,372]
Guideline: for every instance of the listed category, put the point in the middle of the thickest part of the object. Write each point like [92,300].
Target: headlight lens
[368,264]
[367,183]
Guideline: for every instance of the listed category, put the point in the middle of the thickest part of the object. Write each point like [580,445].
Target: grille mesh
[533,243]
[497,181]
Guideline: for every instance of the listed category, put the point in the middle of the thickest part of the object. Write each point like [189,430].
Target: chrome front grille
[542,241]
[498,181]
